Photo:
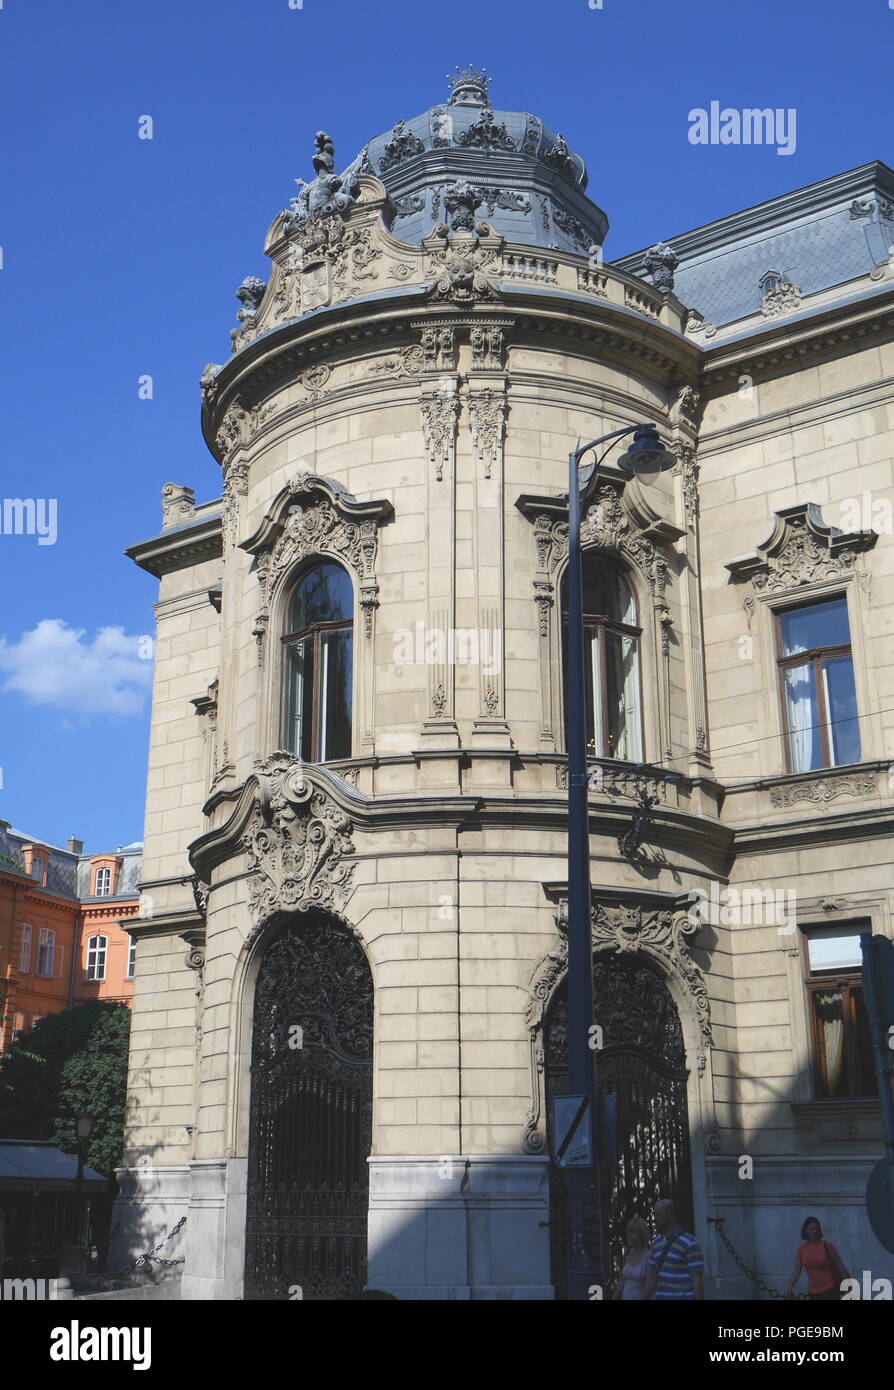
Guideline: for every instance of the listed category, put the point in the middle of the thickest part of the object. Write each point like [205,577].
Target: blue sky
[121,255]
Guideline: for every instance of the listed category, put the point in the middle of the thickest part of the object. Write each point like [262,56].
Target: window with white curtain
[839,1024]
[131,958]
[611,659]
[46,953]
[96,957]
[816,680]
[318,665]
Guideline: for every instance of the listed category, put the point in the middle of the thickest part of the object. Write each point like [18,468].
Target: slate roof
[820,236]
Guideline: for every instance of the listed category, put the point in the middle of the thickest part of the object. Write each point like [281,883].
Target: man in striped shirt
[676,1264]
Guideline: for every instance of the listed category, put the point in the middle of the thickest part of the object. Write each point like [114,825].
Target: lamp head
[646,453]
[84,1126]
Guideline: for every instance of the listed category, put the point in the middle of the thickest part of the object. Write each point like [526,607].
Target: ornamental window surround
[318,664]
[612,662]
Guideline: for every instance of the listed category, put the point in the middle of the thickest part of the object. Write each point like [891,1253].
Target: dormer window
[103,883]
[770,280]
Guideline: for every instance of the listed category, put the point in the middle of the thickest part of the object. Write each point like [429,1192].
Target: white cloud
[54,665]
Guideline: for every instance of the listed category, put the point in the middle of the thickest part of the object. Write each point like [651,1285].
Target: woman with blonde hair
[630,1285]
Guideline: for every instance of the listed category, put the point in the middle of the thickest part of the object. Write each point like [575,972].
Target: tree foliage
[70,1062]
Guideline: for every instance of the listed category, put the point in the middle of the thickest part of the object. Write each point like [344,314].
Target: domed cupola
[513,172]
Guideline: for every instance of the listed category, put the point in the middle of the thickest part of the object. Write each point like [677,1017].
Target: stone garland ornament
[660,934]
[296,842]
[487,420]
[440,413]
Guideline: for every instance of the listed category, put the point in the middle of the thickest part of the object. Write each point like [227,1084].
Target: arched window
[318,665]
[96,957]
[611,660]
[103,883]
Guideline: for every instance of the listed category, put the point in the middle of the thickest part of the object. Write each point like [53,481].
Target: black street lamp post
[83,1131]
[582,1182]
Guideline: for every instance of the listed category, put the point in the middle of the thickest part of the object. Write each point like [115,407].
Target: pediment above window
[313,515]
[801,549]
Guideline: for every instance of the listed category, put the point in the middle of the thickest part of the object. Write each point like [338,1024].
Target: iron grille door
[311,1115]
[643,1065]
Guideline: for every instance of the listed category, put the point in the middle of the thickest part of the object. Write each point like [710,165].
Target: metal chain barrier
[749,1273]
[152,1258]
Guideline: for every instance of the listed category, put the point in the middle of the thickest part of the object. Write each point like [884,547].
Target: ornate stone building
[349,1000]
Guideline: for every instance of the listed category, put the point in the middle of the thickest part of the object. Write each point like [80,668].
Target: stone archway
[643,1066]
[310,1125]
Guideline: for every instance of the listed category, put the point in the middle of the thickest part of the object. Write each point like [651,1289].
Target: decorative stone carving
[460,203]
[684,410]
[458,266]
[780,297]
[200,892]
[801,550]
[608,525]
[250,293]
[504,198]
[178,504]
[486,134]
[696,325]
[235,486]
[641,303]
[209,383]
[821,790]
[296,842]
[660,934]
[559,157]
[407,361]
[402,146]
[487,348]
[686,468]
[234,430]
[327,193]
[438,349]
[408,205]
[573,228]
[315,379]
[440,127]
[440,412]
[660,262]
[313,516]
[533,134]
[487,419]
[468,87]
[439,701]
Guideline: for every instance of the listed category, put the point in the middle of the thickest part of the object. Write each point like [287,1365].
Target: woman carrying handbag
[825,1271]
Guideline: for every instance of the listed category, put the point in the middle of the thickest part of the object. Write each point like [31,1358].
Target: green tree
[69,1062]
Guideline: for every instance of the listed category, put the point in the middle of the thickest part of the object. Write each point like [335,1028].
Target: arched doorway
[311,1114]
[643,1065]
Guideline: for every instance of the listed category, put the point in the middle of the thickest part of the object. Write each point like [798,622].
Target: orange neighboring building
[62,938]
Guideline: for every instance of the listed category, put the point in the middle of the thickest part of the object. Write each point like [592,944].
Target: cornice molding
[180,547]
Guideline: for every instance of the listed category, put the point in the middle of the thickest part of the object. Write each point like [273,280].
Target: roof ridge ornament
[468,87]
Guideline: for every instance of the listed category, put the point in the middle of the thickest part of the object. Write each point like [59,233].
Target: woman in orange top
[825,1272]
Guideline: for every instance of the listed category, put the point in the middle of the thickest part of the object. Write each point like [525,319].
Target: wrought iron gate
[643,1065]
[311,1115]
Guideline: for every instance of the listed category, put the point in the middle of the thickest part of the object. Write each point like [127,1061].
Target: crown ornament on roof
[468,87]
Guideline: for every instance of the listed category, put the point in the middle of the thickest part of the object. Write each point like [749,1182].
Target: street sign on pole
[572,1131]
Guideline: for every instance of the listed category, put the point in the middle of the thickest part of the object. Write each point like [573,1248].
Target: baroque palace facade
[349,997]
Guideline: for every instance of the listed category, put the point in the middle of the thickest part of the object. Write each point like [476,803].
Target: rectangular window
[96,957]
[25,949]
[131,959]
[816,675]
[103,883]
[46,953]
[842,1045]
